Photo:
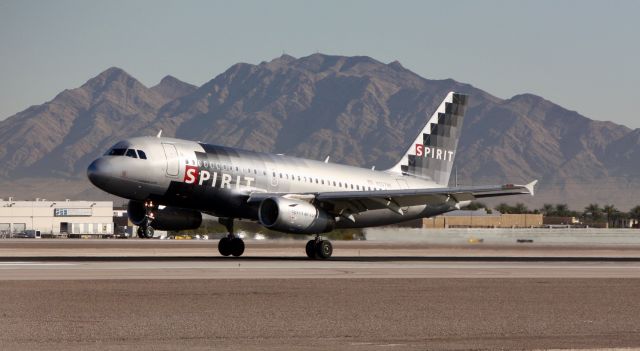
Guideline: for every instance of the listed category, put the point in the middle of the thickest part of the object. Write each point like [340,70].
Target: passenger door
[173,163]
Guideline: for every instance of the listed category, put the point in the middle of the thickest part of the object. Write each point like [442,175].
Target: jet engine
[164,218]
[294,216]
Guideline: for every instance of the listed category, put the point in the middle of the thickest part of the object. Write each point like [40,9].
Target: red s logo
[190,174]
[419,150]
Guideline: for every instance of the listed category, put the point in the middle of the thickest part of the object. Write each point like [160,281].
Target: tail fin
[432,153]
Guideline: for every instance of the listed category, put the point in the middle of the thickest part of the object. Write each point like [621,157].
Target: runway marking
[11,264]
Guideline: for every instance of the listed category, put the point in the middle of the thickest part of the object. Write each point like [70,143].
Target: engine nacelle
[167,218]
[294,216]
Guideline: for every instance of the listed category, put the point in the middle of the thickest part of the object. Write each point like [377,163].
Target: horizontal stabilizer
[531,186]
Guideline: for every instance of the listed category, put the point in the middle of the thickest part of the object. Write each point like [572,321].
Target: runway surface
[120,295]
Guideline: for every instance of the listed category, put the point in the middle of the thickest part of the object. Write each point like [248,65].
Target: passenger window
[142,155]
[131,153]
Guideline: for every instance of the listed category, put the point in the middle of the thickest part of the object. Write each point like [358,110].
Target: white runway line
[13,264]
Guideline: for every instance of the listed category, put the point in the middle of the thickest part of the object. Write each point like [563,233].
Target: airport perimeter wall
[484,221]
[504,236]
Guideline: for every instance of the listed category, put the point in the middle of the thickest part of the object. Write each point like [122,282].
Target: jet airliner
[171,182]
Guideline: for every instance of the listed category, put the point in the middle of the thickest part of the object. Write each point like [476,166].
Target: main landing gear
[145,230]
[318,248]
[230,244]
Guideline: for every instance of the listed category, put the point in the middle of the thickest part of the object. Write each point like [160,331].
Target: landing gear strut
[145,230]
[230,244]
[318,248]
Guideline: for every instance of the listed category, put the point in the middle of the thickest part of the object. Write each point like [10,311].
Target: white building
[73,218]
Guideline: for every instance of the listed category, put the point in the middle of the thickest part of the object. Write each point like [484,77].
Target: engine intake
[294,216]
[167,218]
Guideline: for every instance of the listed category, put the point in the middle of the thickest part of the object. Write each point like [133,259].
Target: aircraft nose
[99,172]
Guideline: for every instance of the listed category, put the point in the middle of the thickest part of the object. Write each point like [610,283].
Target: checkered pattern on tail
[432,154]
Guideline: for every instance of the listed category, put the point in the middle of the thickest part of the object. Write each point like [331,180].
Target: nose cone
[100,173]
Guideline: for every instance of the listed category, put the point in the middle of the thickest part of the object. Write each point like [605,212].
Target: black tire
[324,249]
[310,249]
[140,232]
[237,247]
[224,246]
[148,232]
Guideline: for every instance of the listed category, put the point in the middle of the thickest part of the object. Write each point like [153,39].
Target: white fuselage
[218,180]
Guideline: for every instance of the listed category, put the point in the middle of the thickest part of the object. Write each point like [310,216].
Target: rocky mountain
[59,137]
[356,109]
[171,88]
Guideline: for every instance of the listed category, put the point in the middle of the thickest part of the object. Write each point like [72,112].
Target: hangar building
[55,218]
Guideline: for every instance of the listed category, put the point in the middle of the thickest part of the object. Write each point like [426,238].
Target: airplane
[170,182]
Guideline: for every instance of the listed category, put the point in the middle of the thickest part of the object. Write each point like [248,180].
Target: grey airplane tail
[432,153]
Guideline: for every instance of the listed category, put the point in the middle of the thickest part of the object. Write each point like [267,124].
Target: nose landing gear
[230,244]
[145,230]
[318,248]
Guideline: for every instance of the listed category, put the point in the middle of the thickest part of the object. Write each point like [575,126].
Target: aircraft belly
[220,202]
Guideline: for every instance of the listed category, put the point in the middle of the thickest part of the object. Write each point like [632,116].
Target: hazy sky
[583,55]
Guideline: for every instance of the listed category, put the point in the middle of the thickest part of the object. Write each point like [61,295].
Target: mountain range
[356,109]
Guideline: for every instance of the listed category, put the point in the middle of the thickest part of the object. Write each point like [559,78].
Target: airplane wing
[395,200]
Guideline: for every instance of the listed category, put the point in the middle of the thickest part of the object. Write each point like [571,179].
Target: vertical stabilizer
[432,154]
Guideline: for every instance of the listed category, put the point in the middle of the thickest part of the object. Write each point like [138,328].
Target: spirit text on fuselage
[193,175]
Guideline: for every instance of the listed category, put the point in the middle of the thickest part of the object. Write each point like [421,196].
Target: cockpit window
[117,152]
[131,153]
[142,155]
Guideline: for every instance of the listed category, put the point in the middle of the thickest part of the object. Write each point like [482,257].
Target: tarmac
[167,295]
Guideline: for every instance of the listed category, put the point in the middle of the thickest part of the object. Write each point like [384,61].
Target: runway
[228,268]
[121,295]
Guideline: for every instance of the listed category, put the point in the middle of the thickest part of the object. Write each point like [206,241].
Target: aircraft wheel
[140,232]
[224,246]
[324,249]
[148,232]
[310,249]
[237,247]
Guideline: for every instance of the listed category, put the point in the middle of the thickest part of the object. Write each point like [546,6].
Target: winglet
[530,186]
[159,134]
